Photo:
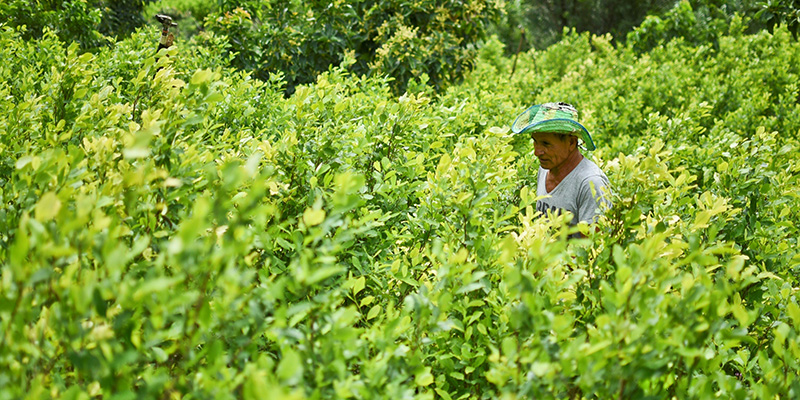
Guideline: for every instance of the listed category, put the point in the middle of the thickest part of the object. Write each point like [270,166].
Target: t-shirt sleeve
[593,198]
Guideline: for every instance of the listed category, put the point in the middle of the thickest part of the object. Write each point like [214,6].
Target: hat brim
[564,126]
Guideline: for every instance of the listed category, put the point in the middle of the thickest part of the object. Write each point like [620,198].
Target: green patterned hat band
[555,118]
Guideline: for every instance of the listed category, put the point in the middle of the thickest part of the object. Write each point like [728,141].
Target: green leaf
[18,251]
[47,208]
[470,287]
[509,346]
[540,369]
[155,285]
[794,312]
[23,162]
[80,93]
[497,130]
[359,285]
[619,256]
[136,153]
[200,76]
[204,317]
[443,394]
[339,107]
[741,314]
[373,312]
[214,97]
[100,304]
[424,378]
[313,217]
[320,274]
[290,368]
[159,354]
[367,300]
[524,196]
[215,352]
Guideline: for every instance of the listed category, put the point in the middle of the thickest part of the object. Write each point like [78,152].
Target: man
[569,181]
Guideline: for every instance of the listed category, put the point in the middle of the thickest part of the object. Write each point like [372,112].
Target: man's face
[552,149]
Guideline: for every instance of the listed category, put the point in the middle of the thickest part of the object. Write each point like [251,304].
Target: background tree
[697,22]
[70,20]
[84,22]
[776,12]
[544,21]
[122,17]
[429,40]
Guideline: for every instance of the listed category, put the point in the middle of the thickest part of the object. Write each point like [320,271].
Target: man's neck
[561,171]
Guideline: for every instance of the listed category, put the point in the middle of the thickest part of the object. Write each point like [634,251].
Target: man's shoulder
[587,169]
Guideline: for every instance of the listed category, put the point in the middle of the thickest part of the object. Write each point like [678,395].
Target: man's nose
[537,151]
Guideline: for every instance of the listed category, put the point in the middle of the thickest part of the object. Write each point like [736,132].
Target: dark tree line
[543,22]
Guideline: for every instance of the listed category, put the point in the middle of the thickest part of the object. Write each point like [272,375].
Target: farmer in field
[569,181]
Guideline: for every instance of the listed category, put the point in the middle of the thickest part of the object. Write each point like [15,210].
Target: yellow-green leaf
[424,378]
[541,368]
[290,369]
[794,311]
[313,217]
[200,76]
[373,312]
[48,207]
[741,315]
[359,285]
[23,161]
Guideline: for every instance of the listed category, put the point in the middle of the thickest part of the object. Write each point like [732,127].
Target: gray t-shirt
[581,193]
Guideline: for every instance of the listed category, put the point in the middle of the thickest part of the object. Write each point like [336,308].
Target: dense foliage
[87,22]
[697,22]
[544,21]
[777,12]
[400,38]
[170,227]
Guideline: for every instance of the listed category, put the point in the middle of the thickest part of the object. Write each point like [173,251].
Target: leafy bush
[85,22]
[698,22]
[70,20]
